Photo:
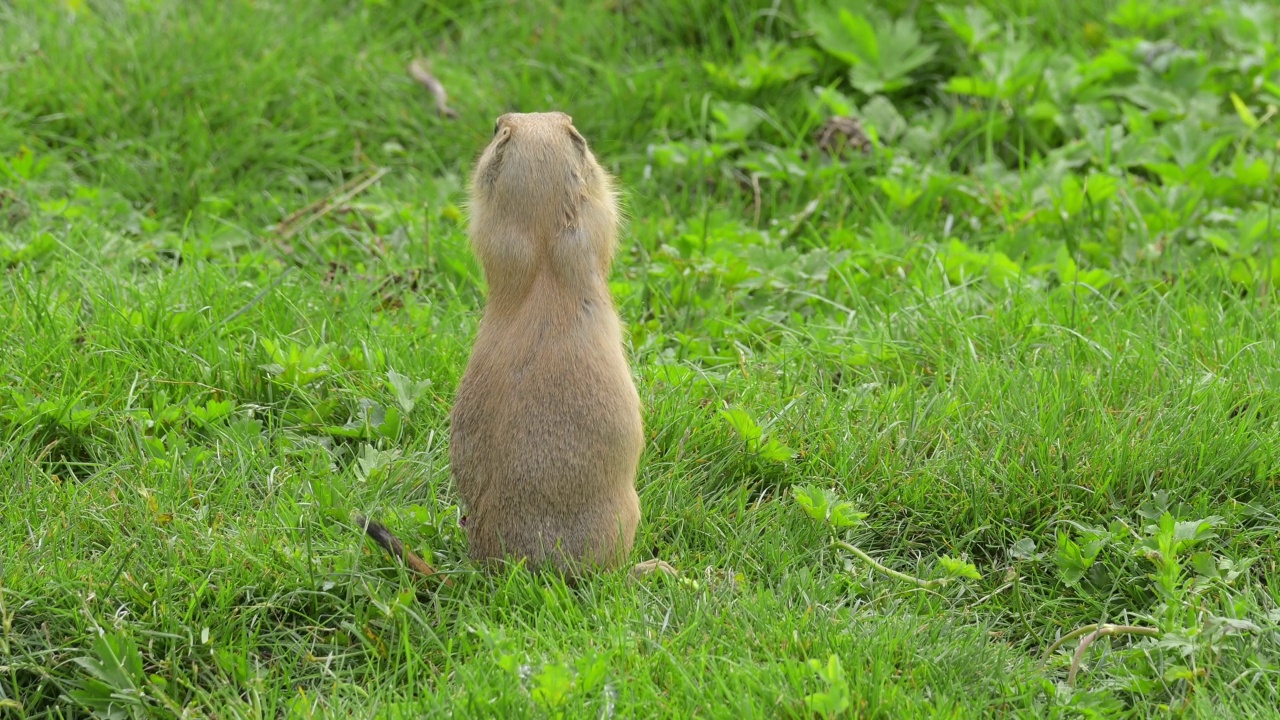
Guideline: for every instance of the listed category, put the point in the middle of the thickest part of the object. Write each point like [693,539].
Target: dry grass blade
[299,219]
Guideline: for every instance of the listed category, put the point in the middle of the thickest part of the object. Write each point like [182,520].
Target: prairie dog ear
[579,141]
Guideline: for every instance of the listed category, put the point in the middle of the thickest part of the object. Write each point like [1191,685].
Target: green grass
[1032,328]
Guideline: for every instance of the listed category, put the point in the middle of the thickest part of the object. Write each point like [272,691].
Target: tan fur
[546,431]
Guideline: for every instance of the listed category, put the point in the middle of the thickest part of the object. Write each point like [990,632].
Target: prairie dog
[545,432]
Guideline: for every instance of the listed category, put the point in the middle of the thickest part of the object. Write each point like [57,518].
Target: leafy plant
[972,24]
[826,507]
[406,391]
[293,365]
[881,52]
[372,421]
[835,699]
[766,447]
[1187,635]
[1075,559]
[211,412]
[371,462]
[117,687]
[767,64]
[554,686]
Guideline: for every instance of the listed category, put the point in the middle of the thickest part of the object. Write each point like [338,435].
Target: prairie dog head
[539,196]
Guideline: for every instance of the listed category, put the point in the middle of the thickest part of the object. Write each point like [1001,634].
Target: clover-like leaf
[1023,549]
[735,121]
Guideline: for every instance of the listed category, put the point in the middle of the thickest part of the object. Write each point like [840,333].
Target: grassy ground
[1030,329]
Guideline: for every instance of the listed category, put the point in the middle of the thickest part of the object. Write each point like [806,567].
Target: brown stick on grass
[392,544]
[418,70]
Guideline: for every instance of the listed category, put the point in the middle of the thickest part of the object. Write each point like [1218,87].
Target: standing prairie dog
[546,433]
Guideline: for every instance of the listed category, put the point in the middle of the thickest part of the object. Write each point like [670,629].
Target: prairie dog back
[546,433]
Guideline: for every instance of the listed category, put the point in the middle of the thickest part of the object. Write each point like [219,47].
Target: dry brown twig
[420,71]
[393,545]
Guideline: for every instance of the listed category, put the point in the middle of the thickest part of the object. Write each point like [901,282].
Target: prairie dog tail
[392,544]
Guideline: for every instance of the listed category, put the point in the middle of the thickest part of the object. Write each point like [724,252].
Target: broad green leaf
[1070,198]
[1204,564]
[551,686]
[1145,15]
[1192,532]
[835,700]
[742,424]
[1100,187]
[117,677]
[1179,672]
[883,119]
[900,194]
[372,460]
[958,568]
[1251,171]
[835,102]
[765,65]
[1073,560]
[117,661]
[1231,626]
[211,412]
[1001,269]
[592,669]
[1155,507]
[844,35]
